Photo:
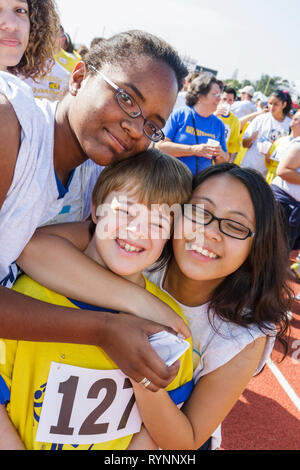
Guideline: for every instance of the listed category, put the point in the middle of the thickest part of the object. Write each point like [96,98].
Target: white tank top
[33,195]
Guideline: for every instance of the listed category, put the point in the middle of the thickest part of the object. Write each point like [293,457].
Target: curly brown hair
[38,58]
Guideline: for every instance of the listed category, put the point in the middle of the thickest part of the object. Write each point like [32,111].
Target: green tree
[238,85]
[267,84]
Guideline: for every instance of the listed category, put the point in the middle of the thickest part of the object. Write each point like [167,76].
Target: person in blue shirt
[193,133]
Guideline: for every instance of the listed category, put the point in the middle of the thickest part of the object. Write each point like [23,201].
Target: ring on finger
[145,382]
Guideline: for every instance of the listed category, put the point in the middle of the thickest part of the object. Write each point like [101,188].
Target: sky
[230,36]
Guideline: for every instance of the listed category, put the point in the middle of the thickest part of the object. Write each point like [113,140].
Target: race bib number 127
[87,406]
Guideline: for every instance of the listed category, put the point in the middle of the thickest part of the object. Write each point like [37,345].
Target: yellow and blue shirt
[232,132]
[25,367]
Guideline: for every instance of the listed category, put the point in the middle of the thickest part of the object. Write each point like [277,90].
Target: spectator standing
[193,133]
[245,105]
[265,129]
[230,121]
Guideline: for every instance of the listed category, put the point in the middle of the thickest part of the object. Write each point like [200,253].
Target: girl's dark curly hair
[38,58]
[258,291]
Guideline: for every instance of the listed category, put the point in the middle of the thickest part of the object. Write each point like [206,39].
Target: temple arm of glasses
[105,78]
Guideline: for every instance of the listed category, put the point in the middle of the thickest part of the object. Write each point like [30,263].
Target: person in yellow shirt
[230,121]
[67,396]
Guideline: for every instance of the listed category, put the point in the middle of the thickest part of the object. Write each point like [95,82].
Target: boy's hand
[125,340]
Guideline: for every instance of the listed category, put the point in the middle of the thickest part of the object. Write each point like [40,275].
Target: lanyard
[197,141]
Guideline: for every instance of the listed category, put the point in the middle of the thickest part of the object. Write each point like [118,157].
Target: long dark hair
[257,293]
[284,97]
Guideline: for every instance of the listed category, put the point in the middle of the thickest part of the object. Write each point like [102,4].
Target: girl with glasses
[234,294]
[44,143]
[231,287]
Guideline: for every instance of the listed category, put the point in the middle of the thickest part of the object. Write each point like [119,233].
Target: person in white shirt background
[267,127]
[245,106]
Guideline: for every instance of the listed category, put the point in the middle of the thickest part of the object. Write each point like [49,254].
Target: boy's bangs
[150,192]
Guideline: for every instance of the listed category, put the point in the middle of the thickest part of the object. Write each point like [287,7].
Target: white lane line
[284,384]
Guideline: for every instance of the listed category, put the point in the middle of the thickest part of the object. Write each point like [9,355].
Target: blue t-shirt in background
[180,129]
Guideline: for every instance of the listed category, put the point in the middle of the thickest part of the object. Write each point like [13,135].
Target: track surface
[266,417]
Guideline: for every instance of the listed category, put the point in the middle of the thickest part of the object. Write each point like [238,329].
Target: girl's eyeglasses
[129,105]
[233,229]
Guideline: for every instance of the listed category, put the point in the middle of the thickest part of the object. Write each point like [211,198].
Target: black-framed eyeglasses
[129,105]
[201,216]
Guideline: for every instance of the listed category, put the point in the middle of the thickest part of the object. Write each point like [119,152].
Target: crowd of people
[98,143]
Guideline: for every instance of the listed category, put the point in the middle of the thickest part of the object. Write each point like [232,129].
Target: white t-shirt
[35,196]
[56,83]
[291,189]
[214,347]
[243,108]
[268,127]
[52,87]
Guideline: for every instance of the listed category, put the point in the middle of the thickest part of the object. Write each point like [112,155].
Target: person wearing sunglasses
[104,118]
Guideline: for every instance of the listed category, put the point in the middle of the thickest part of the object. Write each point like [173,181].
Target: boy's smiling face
[129,236]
